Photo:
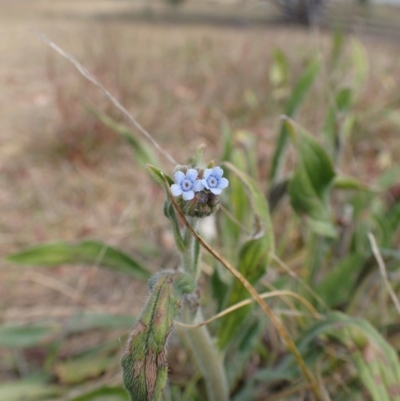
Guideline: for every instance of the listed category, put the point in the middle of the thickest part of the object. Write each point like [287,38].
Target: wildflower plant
[331,267]
[144,362]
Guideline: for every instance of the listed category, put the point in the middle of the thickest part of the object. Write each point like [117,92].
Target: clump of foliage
[287,302]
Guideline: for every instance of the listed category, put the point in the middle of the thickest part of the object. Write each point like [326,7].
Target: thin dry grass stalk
[382,269]
[248,301]
[86,74]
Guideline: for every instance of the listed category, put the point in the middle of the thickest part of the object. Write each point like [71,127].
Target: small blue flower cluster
[189,183]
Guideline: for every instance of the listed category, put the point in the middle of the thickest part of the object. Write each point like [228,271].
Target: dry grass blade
[85,73]
[382,269]
[248,301]
[285,336]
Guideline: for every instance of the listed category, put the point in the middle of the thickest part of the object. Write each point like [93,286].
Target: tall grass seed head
[197,190]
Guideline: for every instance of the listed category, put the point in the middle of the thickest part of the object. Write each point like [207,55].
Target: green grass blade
[85,252]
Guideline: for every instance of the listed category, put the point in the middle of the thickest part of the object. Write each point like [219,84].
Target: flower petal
[192,174]
[198,186]
[176,189]
[223,183]
[188,195]
[205,183]
[179,176]
[217,172]
[216,191]
[207,173]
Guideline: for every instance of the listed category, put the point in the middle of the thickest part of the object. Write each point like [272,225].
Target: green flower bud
[203,204]
[144,363]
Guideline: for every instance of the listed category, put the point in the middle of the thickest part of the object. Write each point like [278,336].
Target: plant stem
[208,359]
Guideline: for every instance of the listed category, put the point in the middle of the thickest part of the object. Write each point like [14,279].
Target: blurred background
[185,69]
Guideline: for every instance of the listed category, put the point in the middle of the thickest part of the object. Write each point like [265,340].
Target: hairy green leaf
[300,90]
[254,256]
[79,369]
[21,391]
[332,127]
[158,175]
[312,179]
[85,252]
[337,285]
[19,336]
[104,393]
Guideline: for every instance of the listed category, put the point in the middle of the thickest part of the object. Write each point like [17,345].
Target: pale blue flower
[186,184]
[213,180]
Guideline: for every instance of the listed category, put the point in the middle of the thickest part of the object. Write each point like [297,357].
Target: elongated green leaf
[332,127]
[302,87]
[253,259]
[336,51]
[32,390]
[279,71]
[227,141]
[82,368]
[90,320]
[337,285]
[254,256]
[258,203]
[345,182]
[311,182]
[144,153]
[158,175]
[19,336]
[237,204]
[85,252]
[360,62]
[238,356]
[103,394]
[389,177]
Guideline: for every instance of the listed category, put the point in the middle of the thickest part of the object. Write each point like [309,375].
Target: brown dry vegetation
[180,81]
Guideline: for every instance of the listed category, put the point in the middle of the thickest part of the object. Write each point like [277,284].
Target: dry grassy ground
[179,80]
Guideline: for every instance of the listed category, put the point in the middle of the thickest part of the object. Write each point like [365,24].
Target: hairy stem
[208,359]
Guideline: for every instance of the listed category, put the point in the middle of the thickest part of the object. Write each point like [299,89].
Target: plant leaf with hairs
[86,252]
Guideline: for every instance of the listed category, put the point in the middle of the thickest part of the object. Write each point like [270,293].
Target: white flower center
[212,182]
[186,185]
